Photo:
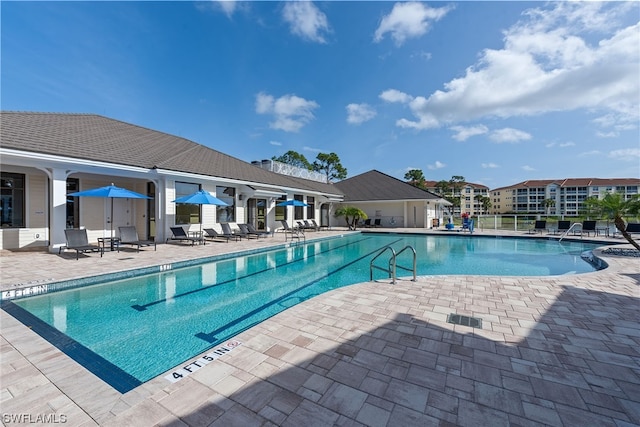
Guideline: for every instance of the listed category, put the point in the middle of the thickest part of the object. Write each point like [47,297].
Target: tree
[613,206]
[416,178]
[330,165]
[293,158]
[442,187]
[484,202]
[352,215]
[548,204]
[456,183]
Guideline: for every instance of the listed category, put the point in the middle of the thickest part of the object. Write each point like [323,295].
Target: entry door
[261,214]
[122,214]
[257,213]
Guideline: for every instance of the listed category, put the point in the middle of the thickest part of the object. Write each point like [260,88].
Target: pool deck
[557,350]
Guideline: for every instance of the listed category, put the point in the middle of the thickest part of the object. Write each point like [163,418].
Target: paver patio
[559,351]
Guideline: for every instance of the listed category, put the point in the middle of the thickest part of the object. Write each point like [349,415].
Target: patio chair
[377,222]
[244,232]
[367,223]
[631,228]
[539,226]
[563,227]
[180,235]
[319,227]
[129,236]
[294,232]
[211,234]
[304,226]
[77,239]
[309,226]
[226,231]
[588,227]
[258,233]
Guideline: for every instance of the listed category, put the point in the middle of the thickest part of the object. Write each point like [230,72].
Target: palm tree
[548,203]
[614,206]
[352,215]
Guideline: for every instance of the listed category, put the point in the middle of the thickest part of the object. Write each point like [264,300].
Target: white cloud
[490,166]
[590,153]
[306,20]
[312,149]
[276,143]
[290,112]
[437,165]
[393,95]
[359,113]
[465,132]
[549,62]
[509,135]
[561,145]
[528,168]
[227,6]
[626,154]
[408,20]
[612,134]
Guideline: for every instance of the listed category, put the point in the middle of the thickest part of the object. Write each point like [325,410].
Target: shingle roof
[98,138]
[377,186]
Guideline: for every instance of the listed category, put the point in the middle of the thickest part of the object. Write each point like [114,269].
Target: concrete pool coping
[367,354]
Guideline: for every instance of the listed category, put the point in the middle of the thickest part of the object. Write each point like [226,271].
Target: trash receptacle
[435,223]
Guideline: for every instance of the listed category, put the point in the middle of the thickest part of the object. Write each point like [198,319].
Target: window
[73,208]
[311,201]
[298,211]
[281,211]
[12,201]
[187,213]
[226,213]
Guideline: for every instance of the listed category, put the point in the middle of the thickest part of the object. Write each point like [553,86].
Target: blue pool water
[130,331]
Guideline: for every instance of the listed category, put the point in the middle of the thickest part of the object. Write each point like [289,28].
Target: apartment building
[557,196]
[470,195]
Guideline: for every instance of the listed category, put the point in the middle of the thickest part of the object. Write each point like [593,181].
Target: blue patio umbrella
[110,192]
[292,203]
[200,198]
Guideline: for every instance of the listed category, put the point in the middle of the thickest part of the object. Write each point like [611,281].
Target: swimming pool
[129,331]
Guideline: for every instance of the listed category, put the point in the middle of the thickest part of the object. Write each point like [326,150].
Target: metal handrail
[568,230]
[393,266]
[414,261]
[391,270]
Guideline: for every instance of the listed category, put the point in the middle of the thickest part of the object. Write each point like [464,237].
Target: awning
[266,192]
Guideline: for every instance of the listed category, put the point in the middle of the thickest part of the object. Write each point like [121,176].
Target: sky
[496,92]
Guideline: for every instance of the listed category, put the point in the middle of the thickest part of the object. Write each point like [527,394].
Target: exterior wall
[36,230]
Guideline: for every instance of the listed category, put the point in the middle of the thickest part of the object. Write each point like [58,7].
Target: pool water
[138,328]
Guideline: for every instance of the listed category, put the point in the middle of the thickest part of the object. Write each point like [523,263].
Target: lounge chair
[294,232]
[244,232]
[319,227]
[588,227]
[211,234]
[129,236]
[309,226]
[77,239]
[226,231]
[563,227]
[539,226]
[303,225]
[253,230]
[367,222]
[180,235]
[377,222]
[631,228]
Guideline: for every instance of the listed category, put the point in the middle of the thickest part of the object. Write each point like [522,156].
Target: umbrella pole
[112,221]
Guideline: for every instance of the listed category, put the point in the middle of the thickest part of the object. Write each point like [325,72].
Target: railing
[393,264]
[575,224]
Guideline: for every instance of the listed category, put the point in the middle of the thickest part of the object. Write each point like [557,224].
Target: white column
[58,208]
